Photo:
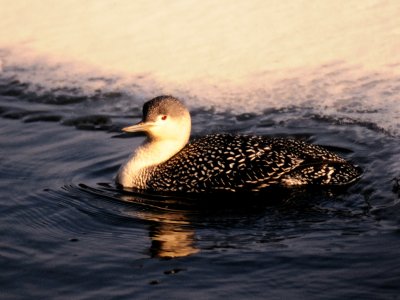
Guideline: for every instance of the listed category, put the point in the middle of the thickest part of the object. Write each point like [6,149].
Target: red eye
[164,117]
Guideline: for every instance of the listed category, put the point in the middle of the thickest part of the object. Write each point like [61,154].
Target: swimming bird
[166,162]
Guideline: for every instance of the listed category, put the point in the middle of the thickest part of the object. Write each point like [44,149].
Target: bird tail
[324,174]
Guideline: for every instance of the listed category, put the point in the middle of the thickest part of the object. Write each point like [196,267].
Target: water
[67,232]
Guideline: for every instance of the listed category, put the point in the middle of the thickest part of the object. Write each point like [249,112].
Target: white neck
[136,171]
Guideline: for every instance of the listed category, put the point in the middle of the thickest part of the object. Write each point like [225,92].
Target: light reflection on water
[185,40]
[248,56]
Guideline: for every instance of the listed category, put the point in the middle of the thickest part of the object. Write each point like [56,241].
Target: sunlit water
[68,233]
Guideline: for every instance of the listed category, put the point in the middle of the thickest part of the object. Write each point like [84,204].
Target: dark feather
[224,162]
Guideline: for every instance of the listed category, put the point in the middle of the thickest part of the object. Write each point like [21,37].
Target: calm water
[72,75]
[68,233]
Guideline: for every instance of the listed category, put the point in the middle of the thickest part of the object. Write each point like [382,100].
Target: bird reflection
[170,240]
[170,231]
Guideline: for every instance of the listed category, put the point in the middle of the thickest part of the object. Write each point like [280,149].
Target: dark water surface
[67,233]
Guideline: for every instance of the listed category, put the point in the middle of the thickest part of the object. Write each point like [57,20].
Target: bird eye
[164,117]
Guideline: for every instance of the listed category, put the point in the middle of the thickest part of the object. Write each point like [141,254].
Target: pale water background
[74,72]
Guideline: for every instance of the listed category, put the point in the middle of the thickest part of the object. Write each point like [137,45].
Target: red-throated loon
[165,162]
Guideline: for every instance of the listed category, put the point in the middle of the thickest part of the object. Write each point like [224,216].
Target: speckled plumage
[222,162]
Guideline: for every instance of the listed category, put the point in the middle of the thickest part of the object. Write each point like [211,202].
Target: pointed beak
[141,126]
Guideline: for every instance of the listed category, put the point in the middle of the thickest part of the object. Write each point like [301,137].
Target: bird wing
[226,162]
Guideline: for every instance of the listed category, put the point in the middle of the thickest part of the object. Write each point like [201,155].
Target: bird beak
[141,126]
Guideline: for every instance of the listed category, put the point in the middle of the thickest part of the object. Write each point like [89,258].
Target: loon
[166,162]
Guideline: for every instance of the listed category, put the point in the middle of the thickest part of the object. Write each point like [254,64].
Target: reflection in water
[170,232]
[172,219]
[170,240]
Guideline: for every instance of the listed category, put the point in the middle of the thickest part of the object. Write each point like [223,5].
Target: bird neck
[138,168]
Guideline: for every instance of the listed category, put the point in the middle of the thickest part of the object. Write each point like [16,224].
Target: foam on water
[243,58]
[337,91]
